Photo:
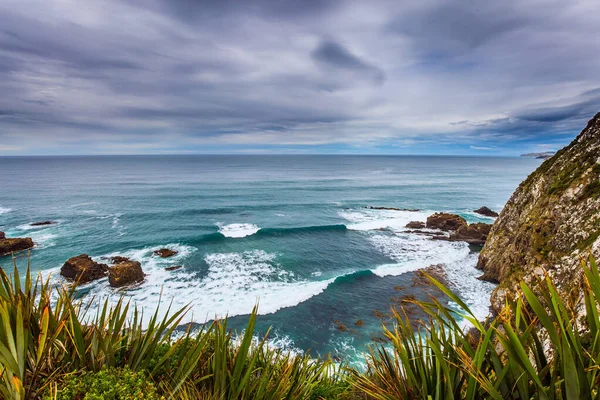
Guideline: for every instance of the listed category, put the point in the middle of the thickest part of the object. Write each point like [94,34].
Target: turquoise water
[293,232]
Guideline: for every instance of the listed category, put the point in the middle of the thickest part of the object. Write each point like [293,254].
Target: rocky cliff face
[551,220]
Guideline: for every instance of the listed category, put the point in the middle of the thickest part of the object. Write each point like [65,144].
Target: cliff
[550,221]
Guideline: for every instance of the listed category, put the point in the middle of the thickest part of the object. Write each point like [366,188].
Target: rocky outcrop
[551,220]
[83,269]
[42,223]
[173,267]
[164,253]
[415,225]
[13,245]
[393,209]
[475,234]
[125,273]
[445,222]
[118,259]
[485,211]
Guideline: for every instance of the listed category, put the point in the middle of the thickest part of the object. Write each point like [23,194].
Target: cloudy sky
[296,76]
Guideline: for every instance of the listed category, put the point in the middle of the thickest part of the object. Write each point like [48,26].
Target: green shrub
[107,384]
[533,349]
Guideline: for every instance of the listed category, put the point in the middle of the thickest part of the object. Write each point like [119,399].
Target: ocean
[293,233]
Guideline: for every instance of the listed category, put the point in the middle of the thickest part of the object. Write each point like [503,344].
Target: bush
[107,384]
[535,348]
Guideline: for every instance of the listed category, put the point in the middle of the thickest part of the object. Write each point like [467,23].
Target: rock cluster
[549,223]
[415,225]
[165,253]
[13,245]
[445,222]
[83,269]
[475,234]
[457,228]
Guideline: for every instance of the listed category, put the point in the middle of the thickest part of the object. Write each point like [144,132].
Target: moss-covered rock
[13,245]
[475,234]
[445,222]
[83,269]
[549,222]
[125,273]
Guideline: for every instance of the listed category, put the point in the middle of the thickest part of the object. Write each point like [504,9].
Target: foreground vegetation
[534,349]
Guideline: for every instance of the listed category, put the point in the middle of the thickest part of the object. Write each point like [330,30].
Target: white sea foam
[237,230]
[275,340]
[462,276]
[369,219]
[233,284]
[44,240]
[411,252]
[5,210]
[116,224]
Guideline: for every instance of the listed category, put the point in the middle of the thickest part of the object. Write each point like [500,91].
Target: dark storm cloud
[334,54]
[202,10]
[180,75]
[528,123]
[458,26]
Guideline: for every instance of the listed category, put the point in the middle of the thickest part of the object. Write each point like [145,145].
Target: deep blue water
[292,231]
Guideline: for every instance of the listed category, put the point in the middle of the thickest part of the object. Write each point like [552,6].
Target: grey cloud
[460,25]
[334,54]
[266,72]
[203,10]
[554,114]
[528,123]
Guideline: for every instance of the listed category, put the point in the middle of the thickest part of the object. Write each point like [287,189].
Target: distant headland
[545,155]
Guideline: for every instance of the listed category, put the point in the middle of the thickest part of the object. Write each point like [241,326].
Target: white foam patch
[368,219]
[5,210]
[116,224]
[44,240]
[238,230]
[462,276]
[233,284]
[412,252]
[275,340]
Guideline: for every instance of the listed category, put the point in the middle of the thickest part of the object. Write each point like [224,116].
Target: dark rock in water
[118,259]
[340,326]
[83,269]
[475,234]
[436,271]
[164,253]
[393,209]
[440,237]
[486,211]
[445,222]
[125,273]
[13,245]
[415,225]
[423,233]
[42,223]
[550,222]
[173,267]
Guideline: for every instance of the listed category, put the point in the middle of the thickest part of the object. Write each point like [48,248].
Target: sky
[462,77]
